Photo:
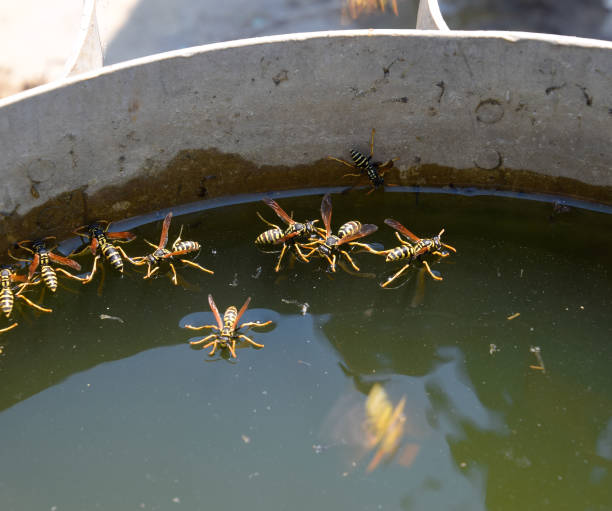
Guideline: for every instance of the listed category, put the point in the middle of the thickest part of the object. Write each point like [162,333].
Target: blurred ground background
[37,36]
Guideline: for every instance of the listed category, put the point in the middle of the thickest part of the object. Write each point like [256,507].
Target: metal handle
[429,16]
[87,54]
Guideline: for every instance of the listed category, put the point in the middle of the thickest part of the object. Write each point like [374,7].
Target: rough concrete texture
[506,110]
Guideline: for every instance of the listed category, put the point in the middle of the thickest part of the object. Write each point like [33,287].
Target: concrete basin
[495,110]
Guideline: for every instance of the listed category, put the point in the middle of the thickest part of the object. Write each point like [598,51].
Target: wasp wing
[65,261]
[241,312]
[279,211]
[215,311]
[400,228]
[163,239]
[364,231]
[326,213]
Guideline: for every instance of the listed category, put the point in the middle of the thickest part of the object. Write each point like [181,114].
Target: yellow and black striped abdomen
[187,246]
[229,318]
[397,253]
[349,228]
[269,237]
[6,300]
[360,160]
[113,256]
[49,277]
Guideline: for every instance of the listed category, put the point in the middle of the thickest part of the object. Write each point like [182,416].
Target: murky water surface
[125,415]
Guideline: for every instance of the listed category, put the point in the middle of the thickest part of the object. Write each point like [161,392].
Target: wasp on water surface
[99,236]
[374,170]
[7,294]
[227,331]
[295,233]
[42,256]
[330,246]
[161,253]
[412,249]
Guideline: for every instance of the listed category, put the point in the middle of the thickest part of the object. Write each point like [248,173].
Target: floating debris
[234,282]
[257,273]
[513,316]
[303,306]
[299,362]
[538,355]
[115,318]
[245,439]
[493,349]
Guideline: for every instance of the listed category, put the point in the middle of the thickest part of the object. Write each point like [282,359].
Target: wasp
[161,253]
[227,331]
[7,295]
[290,237]
[374,170]
[42,256]
[329,247]
[412,249]
[99,236]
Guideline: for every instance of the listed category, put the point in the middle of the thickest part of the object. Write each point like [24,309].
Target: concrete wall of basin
[497,110]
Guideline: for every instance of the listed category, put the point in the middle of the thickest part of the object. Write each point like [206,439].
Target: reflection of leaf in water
[384,424]
[376,425]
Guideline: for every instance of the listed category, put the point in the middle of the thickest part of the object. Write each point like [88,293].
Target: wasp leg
[435,277]
[232,348]
[441,254]
[404,268]
[251,341]
[402,240]
[174,277]
[372,189]
[280,258]
[387,165]
[372,142]
[313,246]
[201,327]
[32,304]
[268,223]
[254,324]
[92,272]
[8,328]
[370,249]
[178,240]
[215,343]
[128,258]
[350,260]
[449,247]
[348,164]
[195,265]
[300,254]
[19,258]
[68,274]
[203,340]
[150,272]
[331,261]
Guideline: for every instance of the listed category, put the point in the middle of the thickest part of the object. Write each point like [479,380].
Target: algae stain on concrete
[198,174]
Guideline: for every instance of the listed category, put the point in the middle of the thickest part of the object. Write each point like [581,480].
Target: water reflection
[439,408]
[481,429]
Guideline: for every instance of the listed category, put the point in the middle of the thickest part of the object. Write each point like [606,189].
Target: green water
[102,414]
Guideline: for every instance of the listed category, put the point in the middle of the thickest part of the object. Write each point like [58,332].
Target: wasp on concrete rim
[374,170]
